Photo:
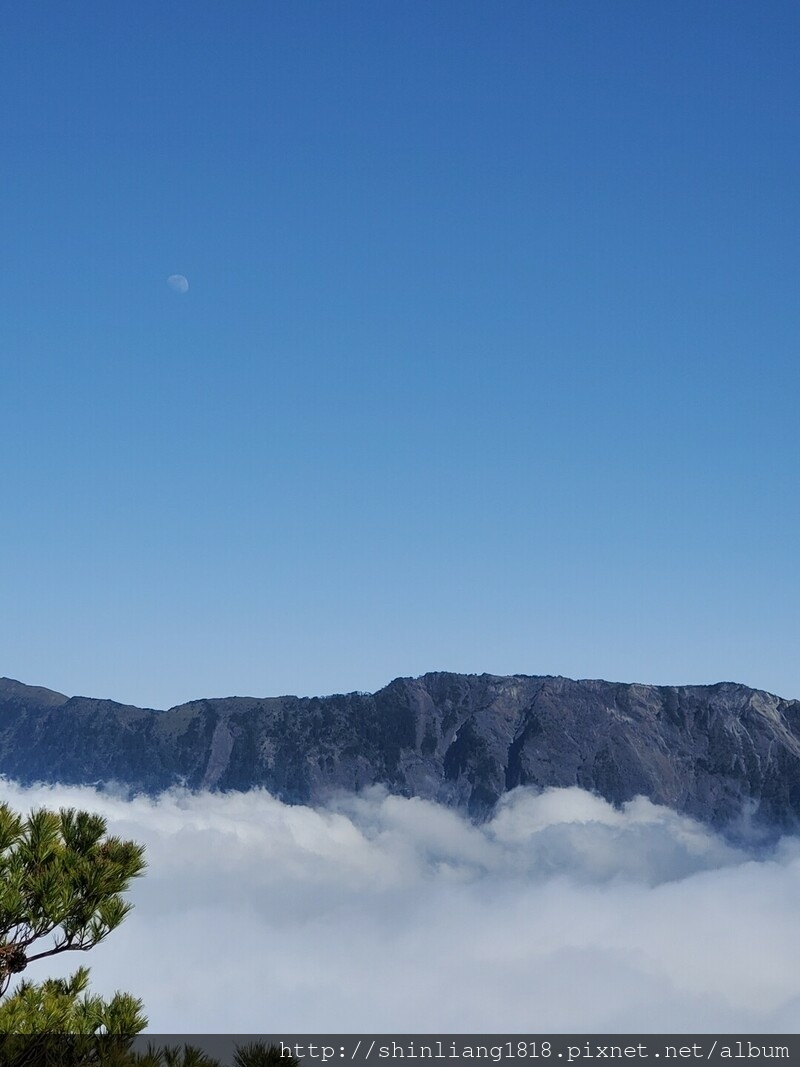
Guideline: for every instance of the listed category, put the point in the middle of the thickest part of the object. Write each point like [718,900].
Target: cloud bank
[382,914]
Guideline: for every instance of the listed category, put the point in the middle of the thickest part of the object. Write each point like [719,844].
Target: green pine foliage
[61,885]
[63,1006]
[48,1050]
[173,1056]
[259,1054]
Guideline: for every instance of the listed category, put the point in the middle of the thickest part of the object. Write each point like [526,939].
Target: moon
[178,283]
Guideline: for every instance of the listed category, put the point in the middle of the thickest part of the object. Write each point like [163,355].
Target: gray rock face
[707,751]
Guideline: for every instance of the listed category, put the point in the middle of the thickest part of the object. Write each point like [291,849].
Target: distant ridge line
[722,753]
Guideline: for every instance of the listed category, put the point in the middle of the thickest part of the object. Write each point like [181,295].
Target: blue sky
[489,360]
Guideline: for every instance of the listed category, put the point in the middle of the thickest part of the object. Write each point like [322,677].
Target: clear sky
[488,361]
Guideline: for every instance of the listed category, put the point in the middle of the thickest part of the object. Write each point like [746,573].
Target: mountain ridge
[708,751]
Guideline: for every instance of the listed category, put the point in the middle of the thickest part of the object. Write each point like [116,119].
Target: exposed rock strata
[711,752]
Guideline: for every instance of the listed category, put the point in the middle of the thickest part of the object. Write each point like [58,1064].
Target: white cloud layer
[380,914]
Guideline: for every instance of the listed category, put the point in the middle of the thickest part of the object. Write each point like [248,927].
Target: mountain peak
[11,689]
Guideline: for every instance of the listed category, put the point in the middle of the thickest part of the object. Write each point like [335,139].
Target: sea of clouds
[383,914]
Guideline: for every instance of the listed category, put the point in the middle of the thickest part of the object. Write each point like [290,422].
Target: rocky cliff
[711,752]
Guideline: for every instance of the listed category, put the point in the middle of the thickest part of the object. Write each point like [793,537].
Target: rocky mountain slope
[708,751]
